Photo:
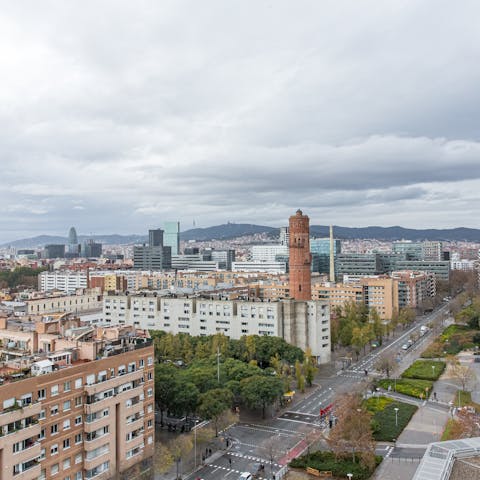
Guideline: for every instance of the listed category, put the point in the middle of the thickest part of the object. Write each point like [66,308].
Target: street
[276,441]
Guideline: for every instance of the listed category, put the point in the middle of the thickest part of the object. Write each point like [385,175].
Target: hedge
[425,370]
[325,461]
[411,387]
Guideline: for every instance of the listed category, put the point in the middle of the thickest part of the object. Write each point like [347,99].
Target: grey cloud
[120,114]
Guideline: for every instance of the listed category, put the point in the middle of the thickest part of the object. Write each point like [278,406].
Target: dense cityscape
[188,347]
[239,240]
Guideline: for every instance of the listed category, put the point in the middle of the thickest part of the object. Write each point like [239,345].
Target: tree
[260,391]
[406,316]
[179,447]
[214,403]
[299,376]
[165,387]
[309,366]
[385,364]
[377,325]
[465,425]
[353,433]
[186,396]
[463,373]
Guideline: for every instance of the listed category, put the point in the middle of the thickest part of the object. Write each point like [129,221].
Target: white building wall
[267,253]
[307,325]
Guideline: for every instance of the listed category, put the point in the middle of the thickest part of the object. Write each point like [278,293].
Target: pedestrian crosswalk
[233,470]
[253,458]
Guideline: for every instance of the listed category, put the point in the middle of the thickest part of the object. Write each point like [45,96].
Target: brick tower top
[300,257]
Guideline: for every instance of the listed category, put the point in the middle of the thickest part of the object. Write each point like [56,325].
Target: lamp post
[396,416]
[433,370]
[218,364]
[378,396]
[195,442]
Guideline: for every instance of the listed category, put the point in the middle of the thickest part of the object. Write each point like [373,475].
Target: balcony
[31,473]
[114,382]
[13,414]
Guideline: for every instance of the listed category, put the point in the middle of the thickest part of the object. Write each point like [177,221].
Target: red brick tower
[300,257]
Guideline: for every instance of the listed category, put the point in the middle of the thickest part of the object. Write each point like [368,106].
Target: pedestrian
[230,461]
[206,452]
[209,451]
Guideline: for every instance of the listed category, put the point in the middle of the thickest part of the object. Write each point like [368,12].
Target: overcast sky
[116,116]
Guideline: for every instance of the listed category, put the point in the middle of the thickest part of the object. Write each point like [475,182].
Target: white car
[405,346]
[245,476]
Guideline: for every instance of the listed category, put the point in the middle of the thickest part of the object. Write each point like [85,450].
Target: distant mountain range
[234,230]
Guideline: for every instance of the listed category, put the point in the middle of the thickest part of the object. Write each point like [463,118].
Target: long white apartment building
[301,323]
[64,280]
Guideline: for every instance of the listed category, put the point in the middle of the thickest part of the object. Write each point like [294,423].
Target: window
[54,410]
[66,444]
[66,405]
[54,469]
[42,394]
[150,423]
[66,463]
[78,438]
[78,420]
[150,361]
[150,440]
[66,424]
[54,449]
[78,401]
[54,390]
[42,434]
[54,429]
[141,363]
[66,387]
[43,454]
[78,458]
[78,476]
[150,392]
[41,415]
[150,409]
[90,379]
[150,375]
[78,383]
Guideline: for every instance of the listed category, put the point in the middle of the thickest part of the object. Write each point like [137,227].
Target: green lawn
[325,461]
[425,370]
[386,427]
[409,386]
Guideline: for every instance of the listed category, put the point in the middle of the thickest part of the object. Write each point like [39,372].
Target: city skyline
[359,114]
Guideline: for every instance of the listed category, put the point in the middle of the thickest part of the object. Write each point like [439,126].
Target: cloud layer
[116,116]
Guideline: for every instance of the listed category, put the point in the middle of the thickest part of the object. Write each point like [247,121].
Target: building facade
[64,280]
[71,416]
[171,237]
[302,323]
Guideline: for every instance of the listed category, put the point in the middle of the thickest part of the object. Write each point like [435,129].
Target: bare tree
[353,433]
[385,364]
[463,373]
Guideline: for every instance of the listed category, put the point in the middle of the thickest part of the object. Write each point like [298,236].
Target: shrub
[384,425]
[424,370]
[411,387]
[325,461]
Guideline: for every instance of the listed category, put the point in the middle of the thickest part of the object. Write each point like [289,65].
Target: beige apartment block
[381,293]
[85,300]
[82,411]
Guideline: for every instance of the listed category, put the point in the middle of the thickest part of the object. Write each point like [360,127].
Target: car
[405,346]
[245,476]
[375,344]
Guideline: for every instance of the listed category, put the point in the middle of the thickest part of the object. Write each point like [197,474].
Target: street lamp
[433,370]
[396,416]
[378,396]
